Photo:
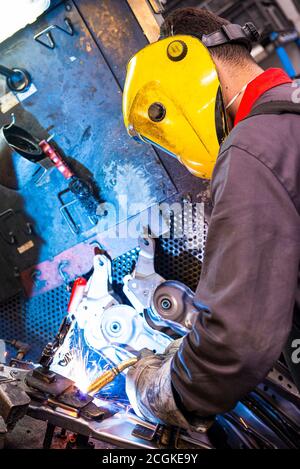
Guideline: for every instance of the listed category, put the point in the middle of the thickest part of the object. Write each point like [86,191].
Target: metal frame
[148,15]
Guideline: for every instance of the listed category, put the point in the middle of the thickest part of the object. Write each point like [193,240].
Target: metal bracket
[141,284]
[156,6]
[51,44]
[148,16]
[66,208]
[62,272]
[279,376]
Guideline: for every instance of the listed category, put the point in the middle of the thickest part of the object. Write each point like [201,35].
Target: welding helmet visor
[173,100]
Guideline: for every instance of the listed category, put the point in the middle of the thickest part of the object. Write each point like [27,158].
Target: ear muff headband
[232,33]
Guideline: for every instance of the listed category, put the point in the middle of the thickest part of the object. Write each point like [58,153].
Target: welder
[198,94]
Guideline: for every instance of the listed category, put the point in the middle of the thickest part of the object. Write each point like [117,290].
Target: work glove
[149,389]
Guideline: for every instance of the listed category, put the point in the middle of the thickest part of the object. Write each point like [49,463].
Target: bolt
[115,327]
[166,304]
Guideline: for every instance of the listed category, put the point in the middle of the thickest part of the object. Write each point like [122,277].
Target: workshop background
[76,54]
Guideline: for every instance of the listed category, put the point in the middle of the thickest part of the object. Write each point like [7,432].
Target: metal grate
[181,258]
[36,320]
[33,320]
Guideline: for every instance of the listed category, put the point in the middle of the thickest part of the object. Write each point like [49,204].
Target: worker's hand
[149,389]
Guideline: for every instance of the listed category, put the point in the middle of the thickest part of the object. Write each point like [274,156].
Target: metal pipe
[6,72]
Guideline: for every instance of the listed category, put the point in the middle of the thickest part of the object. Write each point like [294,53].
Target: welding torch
[109,375]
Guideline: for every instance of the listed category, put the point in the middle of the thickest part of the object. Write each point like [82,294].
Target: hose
[109,375]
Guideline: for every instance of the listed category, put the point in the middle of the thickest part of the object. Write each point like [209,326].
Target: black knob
[252,32]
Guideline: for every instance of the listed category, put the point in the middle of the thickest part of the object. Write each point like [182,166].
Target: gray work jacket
[250,276]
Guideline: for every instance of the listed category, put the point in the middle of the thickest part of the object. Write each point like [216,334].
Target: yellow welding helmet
[173,99]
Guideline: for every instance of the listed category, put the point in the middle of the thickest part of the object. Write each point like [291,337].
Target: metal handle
[18,80]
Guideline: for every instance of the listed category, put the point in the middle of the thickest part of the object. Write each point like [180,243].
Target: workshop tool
[19,156]
[166,304]
[17,79]
[257,422]
[15,172]
[82,190]
[19,248]
[77,293]
[42,374]
[50,349]
[13,403]
[109,375]
[100,323]
[266,418]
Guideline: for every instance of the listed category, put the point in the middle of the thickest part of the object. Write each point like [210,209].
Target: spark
[84,364]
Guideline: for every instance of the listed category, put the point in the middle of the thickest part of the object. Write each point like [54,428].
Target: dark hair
[197,22]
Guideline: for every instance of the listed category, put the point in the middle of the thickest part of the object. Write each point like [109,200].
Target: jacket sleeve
[248,282]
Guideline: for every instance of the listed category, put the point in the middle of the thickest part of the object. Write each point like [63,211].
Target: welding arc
[109,375]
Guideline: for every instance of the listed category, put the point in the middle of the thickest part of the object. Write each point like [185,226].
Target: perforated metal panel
[36,320]
[181,258]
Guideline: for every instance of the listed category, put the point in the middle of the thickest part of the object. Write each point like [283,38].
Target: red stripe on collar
[264,82]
